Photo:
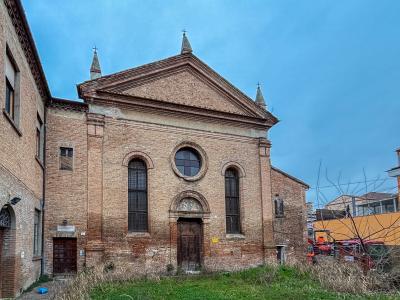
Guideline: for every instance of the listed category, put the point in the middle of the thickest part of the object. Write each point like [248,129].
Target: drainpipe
[44,186]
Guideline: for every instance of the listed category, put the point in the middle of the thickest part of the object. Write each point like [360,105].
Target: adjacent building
[22,123]
[368,204]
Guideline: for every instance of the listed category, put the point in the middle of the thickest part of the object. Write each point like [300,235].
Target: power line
[348,183]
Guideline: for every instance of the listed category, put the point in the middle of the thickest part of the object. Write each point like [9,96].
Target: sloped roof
[376,196]
[117,83]
[291,177]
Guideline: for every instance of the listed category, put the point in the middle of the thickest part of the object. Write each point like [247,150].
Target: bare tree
[362,229]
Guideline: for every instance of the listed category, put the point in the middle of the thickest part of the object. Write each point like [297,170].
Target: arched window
[232,201]
[5,218]
[137,196]
[278,204]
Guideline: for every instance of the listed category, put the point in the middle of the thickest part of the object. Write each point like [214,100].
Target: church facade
[168,167]
[164,167]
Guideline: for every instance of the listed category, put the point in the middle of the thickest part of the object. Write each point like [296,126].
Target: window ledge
[39,162]
[34,258]
[235,236]
[9,119]
[138,235]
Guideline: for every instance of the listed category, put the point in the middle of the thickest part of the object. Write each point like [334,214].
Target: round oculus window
[188,161]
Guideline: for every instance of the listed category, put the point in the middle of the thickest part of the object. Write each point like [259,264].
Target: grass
[258,283]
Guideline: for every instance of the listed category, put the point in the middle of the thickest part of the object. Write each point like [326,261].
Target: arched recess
[235,165]
[189,204]
[138,154]
[7,253]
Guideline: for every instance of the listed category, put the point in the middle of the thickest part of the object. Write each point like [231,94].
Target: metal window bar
[137,196]
[188,162]
[232,201]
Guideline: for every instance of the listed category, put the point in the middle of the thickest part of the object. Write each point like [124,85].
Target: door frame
[76,254]
[8,258]
[201,246]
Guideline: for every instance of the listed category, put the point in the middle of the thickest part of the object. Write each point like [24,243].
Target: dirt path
[53,287]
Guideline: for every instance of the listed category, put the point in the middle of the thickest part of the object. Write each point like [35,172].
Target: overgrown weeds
[328,279]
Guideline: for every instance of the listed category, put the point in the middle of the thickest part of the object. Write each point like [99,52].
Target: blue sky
[330,70]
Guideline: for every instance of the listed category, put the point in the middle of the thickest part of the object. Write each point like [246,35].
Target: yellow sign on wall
[214,240]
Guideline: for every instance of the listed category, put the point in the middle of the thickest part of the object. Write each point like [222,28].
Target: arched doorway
[7,252]
[189,214]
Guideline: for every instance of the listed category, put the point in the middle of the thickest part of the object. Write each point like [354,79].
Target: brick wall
[158,143]
[66,191]
[290,230]
[94,196]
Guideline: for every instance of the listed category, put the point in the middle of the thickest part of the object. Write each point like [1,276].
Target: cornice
[67,105]
[182,130]
[18,19]
[167,108]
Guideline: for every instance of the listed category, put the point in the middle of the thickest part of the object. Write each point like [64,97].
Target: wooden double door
[64,255]
[190,244]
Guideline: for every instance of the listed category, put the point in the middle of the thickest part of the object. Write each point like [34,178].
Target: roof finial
[95,71]
[259,97]
[186,48]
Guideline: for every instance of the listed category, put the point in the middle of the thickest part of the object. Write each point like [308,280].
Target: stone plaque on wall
[65,228]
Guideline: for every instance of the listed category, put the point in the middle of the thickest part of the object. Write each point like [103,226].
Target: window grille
[137,196]
[188,161]
[279,207]
[232,201]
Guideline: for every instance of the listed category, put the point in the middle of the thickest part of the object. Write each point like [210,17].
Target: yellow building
[381,227]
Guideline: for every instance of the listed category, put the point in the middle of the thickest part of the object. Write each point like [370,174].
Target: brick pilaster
[266,198]
[95,132]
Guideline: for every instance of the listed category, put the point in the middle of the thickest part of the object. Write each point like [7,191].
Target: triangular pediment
[184,87]
[182,81]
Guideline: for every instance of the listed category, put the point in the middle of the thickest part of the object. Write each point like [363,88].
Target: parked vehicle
[371,254]
[376,254]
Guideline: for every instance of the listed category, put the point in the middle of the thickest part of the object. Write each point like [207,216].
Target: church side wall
[290,230]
